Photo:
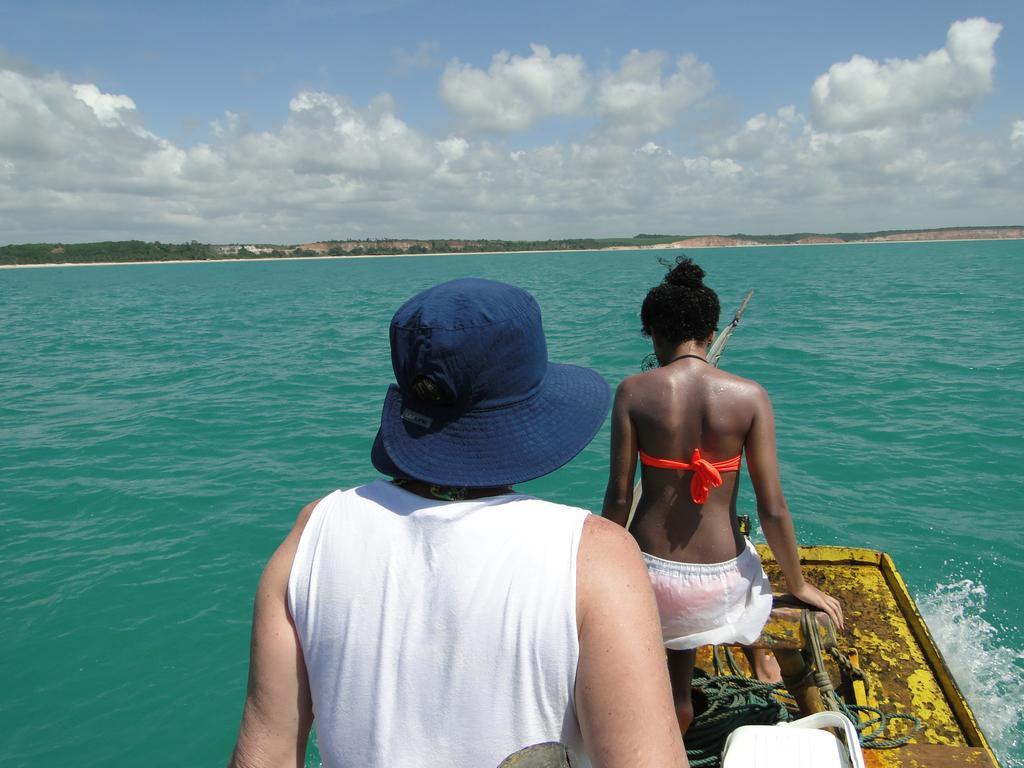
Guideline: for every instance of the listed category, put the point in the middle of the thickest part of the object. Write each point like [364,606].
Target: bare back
[671,411]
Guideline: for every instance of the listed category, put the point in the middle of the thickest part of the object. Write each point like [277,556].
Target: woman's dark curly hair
[681,307]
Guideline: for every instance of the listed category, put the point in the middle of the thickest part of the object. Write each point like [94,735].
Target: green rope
[870,731]
[733,700]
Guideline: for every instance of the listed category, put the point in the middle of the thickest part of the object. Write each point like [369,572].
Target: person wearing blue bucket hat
[477,403]
[438,617]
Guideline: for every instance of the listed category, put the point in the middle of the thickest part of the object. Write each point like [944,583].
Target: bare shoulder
[739,382]
[637,390]
[603,538]
[305,513]
[754,392]
[609,563]
[630,395]
[739,388]
[629,385]
[280,563]
[612,585]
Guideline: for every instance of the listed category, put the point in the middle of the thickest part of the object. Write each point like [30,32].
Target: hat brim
[499,446]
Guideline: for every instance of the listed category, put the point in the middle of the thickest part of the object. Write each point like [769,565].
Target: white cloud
[72,154]
[762,135]
[325,134]
[1017,133]
[45,119]
[515,92]
[638,99]
[77,163]
[650,148]
[232,125]
[110,109]
[863,93]
[453,148]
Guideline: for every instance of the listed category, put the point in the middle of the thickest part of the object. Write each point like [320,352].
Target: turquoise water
[161,425]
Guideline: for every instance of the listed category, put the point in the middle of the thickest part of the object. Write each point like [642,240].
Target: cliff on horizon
[902,236]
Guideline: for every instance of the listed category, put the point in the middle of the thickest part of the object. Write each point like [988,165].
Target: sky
[292,121]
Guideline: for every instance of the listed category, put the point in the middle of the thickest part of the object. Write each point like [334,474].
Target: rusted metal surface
[904,670]
[928,756]
[899,677]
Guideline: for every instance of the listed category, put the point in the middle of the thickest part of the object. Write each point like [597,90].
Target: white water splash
[990,675]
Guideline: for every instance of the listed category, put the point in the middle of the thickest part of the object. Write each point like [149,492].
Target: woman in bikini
[690,424]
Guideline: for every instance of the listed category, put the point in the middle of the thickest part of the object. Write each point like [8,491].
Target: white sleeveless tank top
[437,633]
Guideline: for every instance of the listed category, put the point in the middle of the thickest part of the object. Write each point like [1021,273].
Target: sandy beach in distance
[659,247]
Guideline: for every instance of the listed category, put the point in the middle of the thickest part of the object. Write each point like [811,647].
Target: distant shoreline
[295,258]
[657,247]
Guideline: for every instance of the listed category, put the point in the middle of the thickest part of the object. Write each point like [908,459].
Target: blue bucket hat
[477,403]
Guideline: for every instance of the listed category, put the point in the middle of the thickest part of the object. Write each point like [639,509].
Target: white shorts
[707,604]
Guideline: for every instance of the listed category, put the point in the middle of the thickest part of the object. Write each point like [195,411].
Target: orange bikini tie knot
[706,474]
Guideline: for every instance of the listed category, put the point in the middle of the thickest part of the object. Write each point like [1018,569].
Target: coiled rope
[734,700]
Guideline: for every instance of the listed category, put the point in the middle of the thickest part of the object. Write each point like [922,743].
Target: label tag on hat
[416,418]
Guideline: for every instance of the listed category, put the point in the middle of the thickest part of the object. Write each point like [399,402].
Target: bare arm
[278,711]
[623,697]
[773,512]
[618,496]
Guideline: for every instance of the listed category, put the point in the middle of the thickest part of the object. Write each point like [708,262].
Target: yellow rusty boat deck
[905,671]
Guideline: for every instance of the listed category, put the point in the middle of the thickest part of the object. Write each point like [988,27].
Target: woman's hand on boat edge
[811,595]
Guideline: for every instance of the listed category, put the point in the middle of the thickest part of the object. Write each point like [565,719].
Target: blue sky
[299,120]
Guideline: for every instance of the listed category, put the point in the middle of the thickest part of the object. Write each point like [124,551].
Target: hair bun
[685,274]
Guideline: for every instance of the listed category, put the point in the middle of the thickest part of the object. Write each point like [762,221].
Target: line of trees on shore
[139,250]
[114,251]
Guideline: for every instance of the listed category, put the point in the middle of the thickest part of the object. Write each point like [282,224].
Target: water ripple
[161,426]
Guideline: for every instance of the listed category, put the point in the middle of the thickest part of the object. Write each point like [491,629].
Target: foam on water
[990,675]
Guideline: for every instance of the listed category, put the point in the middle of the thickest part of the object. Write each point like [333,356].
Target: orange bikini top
[705,473]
